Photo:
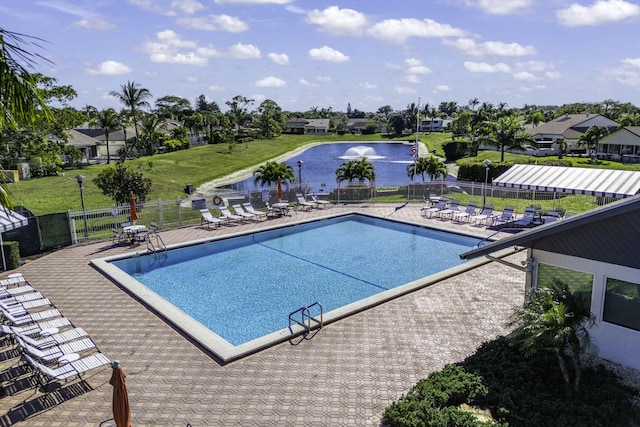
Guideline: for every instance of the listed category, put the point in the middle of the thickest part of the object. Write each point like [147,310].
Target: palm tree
[134,98]
[272,172]
[507,132]
[151,124]
[557,317]
[591,138]
[109,121]
[473,102]
[356,170]
[21,102]
[430,165]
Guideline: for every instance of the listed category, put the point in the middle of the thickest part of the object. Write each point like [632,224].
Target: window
[622,303]
[578,281]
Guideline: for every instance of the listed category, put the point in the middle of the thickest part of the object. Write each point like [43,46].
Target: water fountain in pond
[361,151]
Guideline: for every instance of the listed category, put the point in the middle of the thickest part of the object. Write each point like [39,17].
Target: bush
[11,255]
[455,150]
[475,171]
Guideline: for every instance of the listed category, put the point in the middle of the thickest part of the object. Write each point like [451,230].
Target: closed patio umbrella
[132,204]
[120,403]
[279,190]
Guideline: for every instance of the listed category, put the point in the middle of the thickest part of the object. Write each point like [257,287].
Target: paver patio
[344,376]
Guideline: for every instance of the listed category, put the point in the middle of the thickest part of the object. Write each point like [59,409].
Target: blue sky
[368,53]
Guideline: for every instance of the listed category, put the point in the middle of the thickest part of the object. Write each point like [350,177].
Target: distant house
[568,128]
[622,144]
[87,145]
[433,125]
[116,140]
[307,126]
[596,255]
[356,125]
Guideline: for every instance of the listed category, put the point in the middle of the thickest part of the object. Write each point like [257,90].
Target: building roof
[608,234]
[569,125]
[559,179]
[80,140]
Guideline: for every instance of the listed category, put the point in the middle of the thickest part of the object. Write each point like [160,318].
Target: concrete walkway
[345,375]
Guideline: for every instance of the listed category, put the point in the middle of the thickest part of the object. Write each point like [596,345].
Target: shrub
[11,255]
[455,150]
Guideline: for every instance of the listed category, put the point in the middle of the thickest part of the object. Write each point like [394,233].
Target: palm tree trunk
[563,367]
[577,364]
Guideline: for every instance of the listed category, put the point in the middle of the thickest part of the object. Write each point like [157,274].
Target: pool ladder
[306,318]
[158,246]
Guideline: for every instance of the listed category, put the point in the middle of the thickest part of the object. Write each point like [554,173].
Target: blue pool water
[244,287]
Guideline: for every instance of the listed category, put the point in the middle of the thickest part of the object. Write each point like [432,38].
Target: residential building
[567,128]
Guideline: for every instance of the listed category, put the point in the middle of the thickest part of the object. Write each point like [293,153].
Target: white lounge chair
[305,204]
[240,211]
[55,352]
[484,216]
[26,318]
[209,219]
[39,327]
[319,201]
[466,214]
[507,215]
[527,219]
[17,290]
[226,214]
[45,374]
[55,339]
[11,281]
[429,211]
[448,212]
[249,208]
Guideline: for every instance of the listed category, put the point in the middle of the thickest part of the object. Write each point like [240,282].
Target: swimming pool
[244,287]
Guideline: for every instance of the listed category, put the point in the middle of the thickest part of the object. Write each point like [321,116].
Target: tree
[109,121]
[271,121]
[555,317]
[534,118]
[591,138]
[151,135]
[119,181]
[397,123]
[238,110]
[173,107]
[505,133]
[272,172]
[356,170]
[134,98]
[473,102]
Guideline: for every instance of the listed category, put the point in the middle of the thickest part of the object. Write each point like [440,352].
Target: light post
[80,179]
[486,164]
[300,162]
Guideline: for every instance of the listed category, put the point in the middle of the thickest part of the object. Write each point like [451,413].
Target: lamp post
[486,164]
[300,162]
[80,179]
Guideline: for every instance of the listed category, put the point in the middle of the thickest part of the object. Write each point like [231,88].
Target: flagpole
[415,147]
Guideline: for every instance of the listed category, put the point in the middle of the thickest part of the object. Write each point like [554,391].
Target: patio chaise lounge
[318,200]
[305,204]
[440,206]
[49,340]
[484,216]
[226,214]
[507,215]
[55,352]
[240,211]
[466,214]
[45,374]
[209,219]
[26,318]
[450,211]
[249,208]
[527,218]
[39,327]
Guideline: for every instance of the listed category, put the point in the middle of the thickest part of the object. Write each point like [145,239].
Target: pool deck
[344,375]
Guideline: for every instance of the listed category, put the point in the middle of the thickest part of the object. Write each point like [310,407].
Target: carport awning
[593,182]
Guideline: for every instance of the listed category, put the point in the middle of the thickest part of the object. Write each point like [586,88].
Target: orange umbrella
[279,190]
[121,409]
[132,204]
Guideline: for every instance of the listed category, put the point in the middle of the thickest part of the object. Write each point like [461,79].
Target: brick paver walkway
[344,376]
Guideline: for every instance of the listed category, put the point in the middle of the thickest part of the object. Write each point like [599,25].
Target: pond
[319,165]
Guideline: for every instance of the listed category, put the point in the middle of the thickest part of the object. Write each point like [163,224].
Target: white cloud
[253,1]
[170,48]
[172,38]
[500,7]
[483,67]
[324,79]
[471,48]
[155,7]
[525,76]
[402,90]
[598,13]
[109,68]
[216,88]
[270,81]
[441,89]
[628,72]
[325,53]
[214,23]
[338,21]
[279,58]
[188,7]
[399,30]
[307,83]
[412,78]
[192,79]
[368,86]
[94,24]
[244,51]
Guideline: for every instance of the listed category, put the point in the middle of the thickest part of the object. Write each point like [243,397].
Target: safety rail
[306,318]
